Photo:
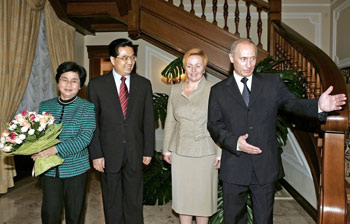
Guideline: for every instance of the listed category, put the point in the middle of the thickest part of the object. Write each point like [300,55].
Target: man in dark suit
[124,137]
[242,120]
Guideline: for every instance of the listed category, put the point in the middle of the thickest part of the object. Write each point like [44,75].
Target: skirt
[194,185]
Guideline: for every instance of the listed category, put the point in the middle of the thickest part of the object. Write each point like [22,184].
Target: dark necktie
[246,92]
[123,96]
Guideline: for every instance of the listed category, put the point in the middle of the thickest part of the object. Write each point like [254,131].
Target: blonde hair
[195,51]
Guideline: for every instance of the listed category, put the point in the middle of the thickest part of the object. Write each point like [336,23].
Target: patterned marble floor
[22,205]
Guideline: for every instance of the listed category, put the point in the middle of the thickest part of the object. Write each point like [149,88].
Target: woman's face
[194,68]
[69,85]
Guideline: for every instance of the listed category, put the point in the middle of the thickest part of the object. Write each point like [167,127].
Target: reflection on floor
[22,205]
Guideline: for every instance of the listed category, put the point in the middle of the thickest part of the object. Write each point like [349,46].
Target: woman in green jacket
[67,182]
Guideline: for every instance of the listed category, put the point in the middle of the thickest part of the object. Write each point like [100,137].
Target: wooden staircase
[175,30]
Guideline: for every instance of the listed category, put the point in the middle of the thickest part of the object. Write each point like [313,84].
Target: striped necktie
[123,96]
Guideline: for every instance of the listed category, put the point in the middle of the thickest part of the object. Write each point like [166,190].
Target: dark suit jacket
[136,131]
[229,118]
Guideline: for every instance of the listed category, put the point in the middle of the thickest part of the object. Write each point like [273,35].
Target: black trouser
[71,191]
[122,194]
[235,202]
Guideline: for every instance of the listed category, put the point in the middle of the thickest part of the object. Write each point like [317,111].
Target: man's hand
[329,103]
[245,147]
[99,164]
[167,157]
[146,160]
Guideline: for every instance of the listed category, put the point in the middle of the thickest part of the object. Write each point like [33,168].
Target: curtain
[61,44]
[41,84]
[19,26]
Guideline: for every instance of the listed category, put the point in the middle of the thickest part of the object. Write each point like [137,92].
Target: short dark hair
[113,47]
[242,40]
[70,66]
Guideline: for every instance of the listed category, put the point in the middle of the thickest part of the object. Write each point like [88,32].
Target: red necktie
[123,96]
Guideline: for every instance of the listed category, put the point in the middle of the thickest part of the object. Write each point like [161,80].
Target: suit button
[124,141]
[250,128]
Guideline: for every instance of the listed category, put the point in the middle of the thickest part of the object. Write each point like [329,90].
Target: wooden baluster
[300,62]
[295,64]
[259,28]
[203,2]
[237,19]
[248,23]
[318,89]
[192,7]
[289,55]
[215,3]
[225,15]
[308,80]
[313,81]
[181,6]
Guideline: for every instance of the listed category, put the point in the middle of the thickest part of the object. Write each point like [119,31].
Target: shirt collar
[118,77]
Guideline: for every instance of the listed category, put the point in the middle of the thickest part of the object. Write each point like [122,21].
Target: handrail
[323,66]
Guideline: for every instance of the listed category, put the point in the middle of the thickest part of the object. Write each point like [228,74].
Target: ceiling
[90,16]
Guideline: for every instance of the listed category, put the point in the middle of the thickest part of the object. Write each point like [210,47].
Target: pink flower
[24,113]
[19,118]
[32,117]
[43,121]
[13,136]
[26,124]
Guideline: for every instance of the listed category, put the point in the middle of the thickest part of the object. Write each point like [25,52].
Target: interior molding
[315,18]
[297,170]
[336,12]
[150,53]
[343,63]
[297,159]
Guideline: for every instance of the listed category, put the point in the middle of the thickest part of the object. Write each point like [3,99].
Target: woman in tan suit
[188,147]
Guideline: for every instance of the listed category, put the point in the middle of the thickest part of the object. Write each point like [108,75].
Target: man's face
[125,61]
[244,59]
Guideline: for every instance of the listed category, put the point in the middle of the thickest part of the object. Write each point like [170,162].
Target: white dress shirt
[240,84]
[118,81]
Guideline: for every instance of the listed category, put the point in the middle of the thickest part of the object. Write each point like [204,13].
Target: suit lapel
[256,88]
[233,90]
[132,94]
[112,91]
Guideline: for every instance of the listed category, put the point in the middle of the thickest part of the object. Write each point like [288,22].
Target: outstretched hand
[328,103]
[244,146]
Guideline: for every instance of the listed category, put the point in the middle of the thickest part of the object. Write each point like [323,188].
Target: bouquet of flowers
[30,133]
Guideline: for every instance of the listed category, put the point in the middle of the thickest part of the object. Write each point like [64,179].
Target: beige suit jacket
[185,131]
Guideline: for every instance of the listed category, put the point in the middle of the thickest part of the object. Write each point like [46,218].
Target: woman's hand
[217,163]
[46,153]
[167,157]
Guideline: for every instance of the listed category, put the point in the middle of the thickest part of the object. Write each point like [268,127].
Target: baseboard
[300,199]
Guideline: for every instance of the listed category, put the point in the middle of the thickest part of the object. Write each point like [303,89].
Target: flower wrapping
[30,133]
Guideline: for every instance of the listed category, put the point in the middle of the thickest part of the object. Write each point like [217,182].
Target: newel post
[274,14]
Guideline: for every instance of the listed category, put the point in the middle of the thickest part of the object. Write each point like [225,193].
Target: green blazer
[78,126]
